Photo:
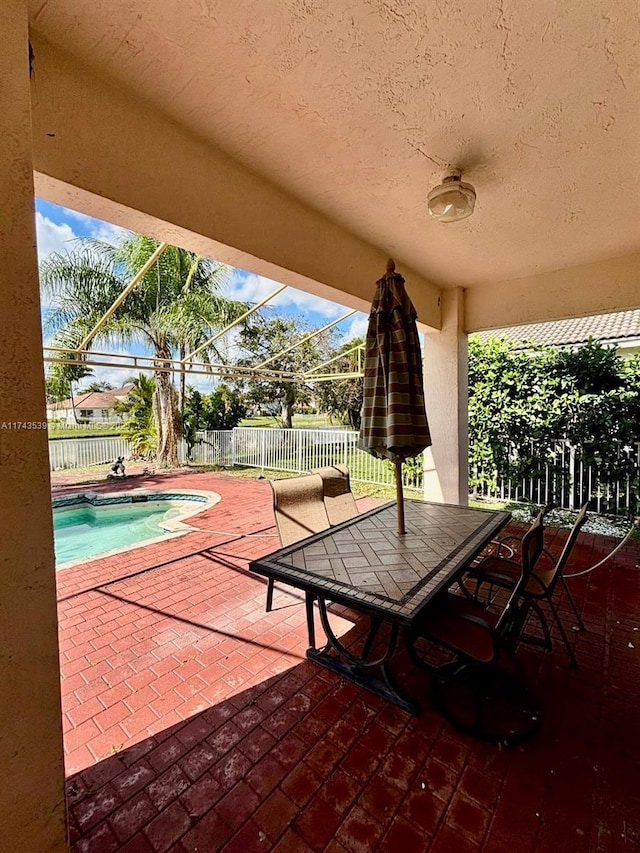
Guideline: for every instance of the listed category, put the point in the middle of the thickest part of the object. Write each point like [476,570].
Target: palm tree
[175,307]
[59,383]
[139,428]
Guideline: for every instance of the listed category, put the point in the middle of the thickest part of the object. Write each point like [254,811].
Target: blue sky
[57,228]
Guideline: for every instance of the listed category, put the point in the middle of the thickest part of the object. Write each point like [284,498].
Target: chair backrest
[338,497]
[299,507]
[546,510]
[568,545]
[531,548]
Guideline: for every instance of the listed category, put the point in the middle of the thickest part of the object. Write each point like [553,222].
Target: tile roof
[95,399]
[603,327]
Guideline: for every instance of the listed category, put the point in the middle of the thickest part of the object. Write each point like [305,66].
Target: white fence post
[83,452]
[569,480]
[298,434]
[572,476]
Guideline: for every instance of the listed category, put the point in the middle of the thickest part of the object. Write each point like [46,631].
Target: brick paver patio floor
[193,721]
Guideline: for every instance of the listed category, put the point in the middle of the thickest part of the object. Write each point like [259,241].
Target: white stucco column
[32,802]
[445,382]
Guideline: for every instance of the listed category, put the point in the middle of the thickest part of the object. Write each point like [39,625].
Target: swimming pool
[88,525]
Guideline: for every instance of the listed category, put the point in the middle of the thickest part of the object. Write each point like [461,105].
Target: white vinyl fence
[82,452]
[293,450]
[213,448]
[300,450]
[562,476]
[565,478]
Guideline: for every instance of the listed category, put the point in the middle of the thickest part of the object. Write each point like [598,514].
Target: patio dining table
[366,565]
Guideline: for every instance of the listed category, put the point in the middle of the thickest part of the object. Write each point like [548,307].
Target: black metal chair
[477,692]
[508,546]
[547,572]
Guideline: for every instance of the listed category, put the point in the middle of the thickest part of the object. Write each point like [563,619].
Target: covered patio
[193,721]
[298,141]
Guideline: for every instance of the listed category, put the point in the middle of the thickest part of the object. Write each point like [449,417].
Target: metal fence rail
[212,448]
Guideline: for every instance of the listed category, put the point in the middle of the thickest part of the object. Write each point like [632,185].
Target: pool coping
[175,527]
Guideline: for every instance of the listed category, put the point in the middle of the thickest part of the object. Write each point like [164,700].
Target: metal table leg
[374,675]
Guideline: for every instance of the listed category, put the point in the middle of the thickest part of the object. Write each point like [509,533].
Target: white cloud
[115,376]
[204,384]
[98,229]
[59,237]
[252,288]
[357,328]
[51,237]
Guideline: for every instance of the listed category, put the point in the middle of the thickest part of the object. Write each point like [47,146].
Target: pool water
[86,531]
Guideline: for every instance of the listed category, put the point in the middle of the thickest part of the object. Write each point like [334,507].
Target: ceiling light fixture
[452,199]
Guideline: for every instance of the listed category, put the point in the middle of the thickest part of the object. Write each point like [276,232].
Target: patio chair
[299,509]
[476,692]
[504,548]
[508,546]
[541,585]
[338,497]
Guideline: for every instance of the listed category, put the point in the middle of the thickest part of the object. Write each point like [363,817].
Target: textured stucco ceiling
[357,108]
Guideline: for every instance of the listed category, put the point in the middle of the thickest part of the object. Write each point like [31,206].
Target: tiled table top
[365,563]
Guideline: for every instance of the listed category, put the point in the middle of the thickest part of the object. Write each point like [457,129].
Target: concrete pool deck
[194,722]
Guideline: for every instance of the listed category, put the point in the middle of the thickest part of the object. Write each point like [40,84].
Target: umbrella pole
[399,496]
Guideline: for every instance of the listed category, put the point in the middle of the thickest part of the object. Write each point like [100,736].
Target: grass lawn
[83,431]
[360,490]
[299,422]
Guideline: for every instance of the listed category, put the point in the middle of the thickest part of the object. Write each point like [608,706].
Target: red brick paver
[193,721]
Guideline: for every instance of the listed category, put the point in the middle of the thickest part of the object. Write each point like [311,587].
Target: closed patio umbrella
[394,420]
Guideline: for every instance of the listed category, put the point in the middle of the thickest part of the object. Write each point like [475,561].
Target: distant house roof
[94,399]
[606,328]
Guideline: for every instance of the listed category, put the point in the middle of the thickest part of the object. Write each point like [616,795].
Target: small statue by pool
[117,469]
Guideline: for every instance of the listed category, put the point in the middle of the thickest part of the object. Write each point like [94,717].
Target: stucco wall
[445,386]
[32,805]
[611,285]
[101,150]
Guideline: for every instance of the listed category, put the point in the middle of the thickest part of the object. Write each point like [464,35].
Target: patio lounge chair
[299,509]
[476,692]
[541,586]
[338,497]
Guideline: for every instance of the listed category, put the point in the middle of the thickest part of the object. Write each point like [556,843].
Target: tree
[521,402]
[97,387]
[139,428]
[342,398]
[267,338]
[221,410]
[175,307]
[60,377]
[514,398]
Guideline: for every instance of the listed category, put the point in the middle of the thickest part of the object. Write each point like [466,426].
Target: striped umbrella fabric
[394,420]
